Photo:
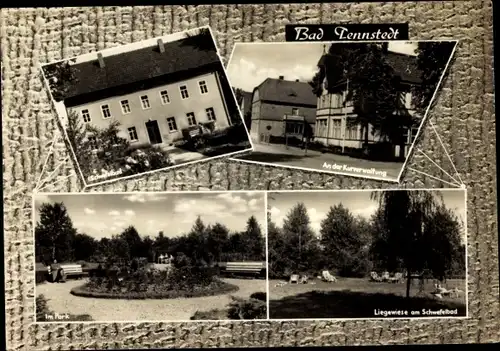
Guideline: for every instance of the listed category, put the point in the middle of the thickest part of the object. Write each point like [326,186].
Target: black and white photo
[347,108]
[178,256]
[146,106]
[352,254]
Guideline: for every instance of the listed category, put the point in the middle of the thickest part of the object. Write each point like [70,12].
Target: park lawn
[355,298]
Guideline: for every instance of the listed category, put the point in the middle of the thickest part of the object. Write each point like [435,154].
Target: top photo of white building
[147,106]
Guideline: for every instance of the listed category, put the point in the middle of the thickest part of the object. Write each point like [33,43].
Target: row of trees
[375,88]
[56,238]
[411,232]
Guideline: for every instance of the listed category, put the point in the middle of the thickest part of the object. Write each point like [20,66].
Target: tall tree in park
[197,239]
[406,215]
[133,240]
[301,245]
[218,236]
[432,58]
[54,233]
[373,89]
[279,261]
[84,246]
[343,246]
[254,240]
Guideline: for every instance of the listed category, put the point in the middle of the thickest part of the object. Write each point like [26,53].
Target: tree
[79,142]
[300,242]
[84,246]
[253,240]
[373,88]
[343,246]
[218,237]
[112,149]
[405,215]
[60,78]
[446,252]
[197,239]
[432,58]
[133,240]
[247,119]
[54,233]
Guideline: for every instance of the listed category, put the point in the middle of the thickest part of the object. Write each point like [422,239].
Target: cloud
[144,197]
[41,199]
[316,217]
[366,212]
[114,213]
[129,213]
[88,211]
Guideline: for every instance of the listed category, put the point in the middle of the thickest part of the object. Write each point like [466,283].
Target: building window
[145,102]
[410,135]
[106,113]
[164,97]
[132,133]
[295,111]
[184,91]
[294,127]
[210,113]
[125,106]
[86,116]
[191,119]
[336,129]
[352,132]
[172,126]
[92,141]
[203,87]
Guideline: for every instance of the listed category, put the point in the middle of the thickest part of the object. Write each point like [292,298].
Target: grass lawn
[358,298]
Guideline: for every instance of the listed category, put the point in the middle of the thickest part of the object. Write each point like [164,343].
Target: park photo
[179,256]
[354,109]
[356,254]
[146,106]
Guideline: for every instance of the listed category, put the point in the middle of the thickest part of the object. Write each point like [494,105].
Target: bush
[187,281]
[262,296]
[214,314]
[247,309]
[146,159]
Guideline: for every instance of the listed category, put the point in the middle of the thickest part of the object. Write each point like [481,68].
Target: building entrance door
[154,132]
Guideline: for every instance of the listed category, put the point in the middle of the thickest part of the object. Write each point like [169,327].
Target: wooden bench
[248,268]
[73,270]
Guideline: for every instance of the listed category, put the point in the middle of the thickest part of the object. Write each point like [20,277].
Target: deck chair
[294,278]
[327,277]
[375,277]
[397,278]
[386,277]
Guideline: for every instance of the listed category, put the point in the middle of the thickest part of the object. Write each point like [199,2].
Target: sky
[251,63]
[358,202]
[103,215]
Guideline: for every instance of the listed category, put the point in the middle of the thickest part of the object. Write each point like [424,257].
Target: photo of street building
[345,108]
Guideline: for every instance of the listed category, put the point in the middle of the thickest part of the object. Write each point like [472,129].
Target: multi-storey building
[281,107]
[156,93]
[333,113]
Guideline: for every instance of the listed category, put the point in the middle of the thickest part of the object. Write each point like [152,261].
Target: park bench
[73,270]
[244,268]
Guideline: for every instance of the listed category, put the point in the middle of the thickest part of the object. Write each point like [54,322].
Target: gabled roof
[285,91]
[142,64]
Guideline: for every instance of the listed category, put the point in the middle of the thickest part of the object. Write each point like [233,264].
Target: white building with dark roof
[157,93]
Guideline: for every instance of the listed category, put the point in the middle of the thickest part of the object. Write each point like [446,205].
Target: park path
[62,301]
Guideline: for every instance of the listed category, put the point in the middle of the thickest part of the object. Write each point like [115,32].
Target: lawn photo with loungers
[367,254]
[150,257]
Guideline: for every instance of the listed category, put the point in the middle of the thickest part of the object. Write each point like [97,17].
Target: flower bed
[185,282]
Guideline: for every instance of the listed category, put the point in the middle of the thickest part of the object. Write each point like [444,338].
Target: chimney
[282,77]
[161,46]
[101,60]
